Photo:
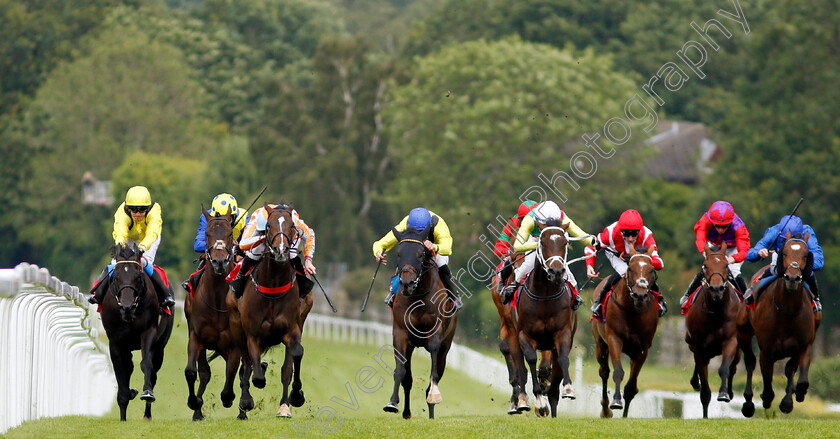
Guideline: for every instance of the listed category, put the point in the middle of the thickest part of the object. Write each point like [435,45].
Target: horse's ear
[397,234]
[631,250]
[805,238]
[708,247]
[205,212]
[787,235]
[565,226]
[723,247]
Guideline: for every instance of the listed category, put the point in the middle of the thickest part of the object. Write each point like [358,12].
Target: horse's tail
[213,356]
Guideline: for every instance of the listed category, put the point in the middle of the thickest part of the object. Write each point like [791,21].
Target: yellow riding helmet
[223,203]
[138,196]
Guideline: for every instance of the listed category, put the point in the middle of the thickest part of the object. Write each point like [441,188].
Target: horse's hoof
[542,412]
[786,405]
[194,403]
[568,392]
[801,390]
[724,397]
[132,393]
[616,405]
[242,415]
[695,384]
[264,366]
[512,409]
[284,411]
[297,398]
[259,383]
[406,414]
[748,409]
[391,408]
[227,399]
[198,417]
[522,404]
[246,404]
[434,398]
[148,396]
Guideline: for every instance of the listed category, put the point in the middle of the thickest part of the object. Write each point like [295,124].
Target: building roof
[683,151]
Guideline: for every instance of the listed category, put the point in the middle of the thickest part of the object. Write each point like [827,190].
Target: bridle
[130,286]
[546,261]
[627,274]
[292,242]
[708,279]
[414,283]
[219,244]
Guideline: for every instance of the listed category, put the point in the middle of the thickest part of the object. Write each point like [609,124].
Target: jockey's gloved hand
[238,251]
[597,245]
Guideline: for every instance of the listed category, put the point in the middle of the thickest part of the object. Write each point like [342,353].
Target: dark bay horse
[545,320]
[267,314]
[710,327]
[631,319]
[784,325]
[423,316]
[207,316]
[132,319]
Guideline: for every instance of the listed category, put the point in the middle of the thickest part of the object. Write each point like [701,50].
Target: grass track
[468,409]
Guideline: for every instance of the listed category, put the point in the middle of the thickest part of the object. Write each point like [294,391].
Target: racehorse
[710,327]
[784,325]
[267,314]
[509,345]
[631,318]
[545,320]
[133,321]
[207,316]
[423,316]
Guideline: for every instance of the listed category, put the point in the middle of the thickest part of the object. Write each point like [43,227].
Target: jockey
[504,245]
[528,237]
[721,224]
[222,204]
[253,243]
[137,220]
[419,218]
[773,242]
[628,231]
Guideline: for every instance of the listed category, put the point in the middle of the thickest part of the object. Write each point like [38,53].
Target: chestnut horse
[710,327]
[267,314]
[207,316]
[784,325]
[423,316]
[631,318]
[132,319]
[509,343]
[545,320]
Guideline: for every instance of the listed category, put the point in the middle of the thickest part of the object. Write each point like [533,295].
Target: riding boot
[753,289]
[698,278]
[238,283]
[100,287]
[509,291]
[504,273]
[577,301]
[304,284]
[741,284]
[596,307]
[663,307]
[191,284]
[446,277]
[164,293]
[811,280]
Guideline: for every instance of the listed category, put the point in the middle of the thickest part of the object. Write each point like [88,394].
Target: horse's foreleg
[727,364]
[554,379]
[804,365]
[194,346]
[255,357]
[765,362]
[123,367]
[509,346]
[232,360]
[632,388]
[294,352]
[246,401]
[529,349]
[733,367]
[407,381]
[786,406]
[602,355]
[615,347]
[297,397]
[701,371]
[401,361]
[147,365]
[204,375]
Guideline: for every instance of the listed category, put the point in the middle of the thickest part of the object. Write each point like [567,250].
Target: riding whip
[371,285]
[252,204]
[597,270]
[325,294]
[786,222]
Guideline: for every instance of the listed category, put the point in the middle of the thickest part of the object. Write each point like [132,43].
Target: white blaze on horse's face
[280,222]
[219,245]
[795,247]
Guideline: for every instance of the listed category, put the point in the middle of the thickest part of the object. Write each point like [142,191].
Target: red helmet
[630,220]
[721,213]
[524,209]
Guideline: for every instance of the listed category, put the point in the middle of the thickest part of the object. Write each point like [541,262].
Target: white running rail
[51,363]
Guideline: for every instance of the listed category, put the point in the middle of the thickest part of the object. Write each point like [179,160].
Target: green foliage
[823,378]
[321,144]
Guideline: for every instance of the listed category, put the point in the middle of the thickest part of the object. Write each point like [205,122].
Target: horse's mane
[714,247]
[642,249]
[284,206]
[127,251]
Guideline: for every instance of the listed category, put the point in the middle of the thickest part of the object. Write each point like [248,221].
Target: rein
[130,286]
[629,287]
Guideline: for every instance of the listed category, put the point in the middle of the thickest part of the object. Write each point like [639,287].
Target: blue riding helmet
[792,224]
[419,218]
